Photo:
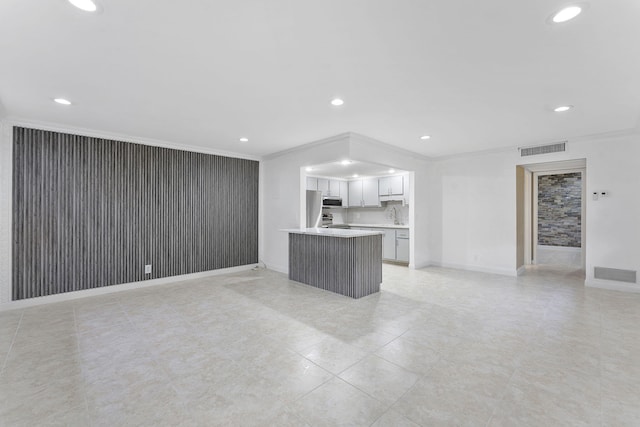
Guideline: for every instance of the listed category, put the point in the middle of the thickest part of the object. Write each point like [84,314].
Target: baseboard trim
[560,248]
[477,268]
[520,271]
[418,266]
[277,268]
[69,296]
[612,285]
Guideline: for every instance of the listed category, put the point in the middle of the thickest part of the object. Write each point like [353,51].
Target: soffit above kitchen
[471,75]
[351,169]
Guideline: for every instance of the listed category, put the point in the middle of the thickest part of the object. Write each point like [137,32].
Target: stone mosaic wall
[559,210]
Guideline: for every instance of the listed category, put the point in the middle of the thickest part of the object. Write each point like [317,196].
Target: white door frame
[534,216]
[531,204]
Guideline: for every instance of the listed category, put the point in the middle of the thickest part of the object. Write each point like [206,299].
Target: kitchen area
[359,196]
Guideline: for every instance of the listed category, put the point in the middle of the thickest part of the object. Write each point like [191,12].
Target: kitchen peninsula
[348,262]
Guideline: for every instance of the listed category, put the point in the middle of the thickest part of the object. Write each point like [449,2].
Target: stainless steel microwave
[331,202]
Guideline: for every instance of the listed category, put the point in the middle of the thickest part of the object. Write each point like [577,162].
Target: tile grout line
[521,357]
[601,366]
[370,353]
[422,376]
[13,340]
[153,357]
[84,388]
[517,364]
[277,341]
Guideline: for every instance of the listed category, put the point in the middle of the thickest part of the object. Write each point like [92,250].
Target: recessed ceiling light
[62,101]
[345,162]
[424,137]
[86,5]
[392,171]
[355,175]
[563,108]
[244,139]
[566,14]
[308,169]
[336,102]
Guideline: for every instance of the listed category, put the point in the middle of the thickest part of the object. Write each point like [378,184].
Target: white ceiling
[474,74]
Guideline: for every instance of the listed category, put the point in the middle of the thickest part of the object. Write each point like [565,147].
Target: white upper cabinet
[363,192]
[334,188]
[344,193]
[355,193]
[370,192]
[391,186]
[323,185]
[312,183]
[329,187]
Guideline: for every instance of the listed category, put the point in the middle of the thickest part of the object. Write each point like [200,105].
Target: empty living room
[337,213]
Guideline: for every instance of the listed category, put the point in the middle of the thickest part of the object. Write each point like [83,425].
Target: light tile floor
[435,347]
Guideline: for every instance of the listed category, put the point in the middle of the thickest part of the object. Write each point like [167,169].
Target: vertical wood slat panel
[348,266]
[90,212]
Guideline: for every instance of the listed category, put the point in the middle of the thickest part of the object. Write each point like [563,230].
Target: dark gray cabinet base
[348,266]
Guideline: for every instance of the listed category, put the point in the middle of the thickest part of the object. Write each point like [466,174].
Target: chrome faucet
[394,215]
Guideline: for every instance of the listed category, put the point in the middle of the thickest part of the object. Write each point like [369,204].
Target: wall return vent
[628,276]
[543,149]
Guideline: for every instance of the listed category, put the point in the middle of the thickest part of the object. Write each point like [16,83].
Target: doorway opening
[360,195]
[551,212]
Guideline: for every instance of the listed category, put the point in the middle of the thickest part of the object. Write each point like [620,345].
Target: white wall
[382,215]
[473,216]
[282,188]
[283,185]
[6,157]
[368,150]
[613,223]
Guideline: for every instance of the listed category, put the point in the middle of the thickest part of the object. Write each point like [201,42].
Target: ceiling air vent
[628,276]
[543,149]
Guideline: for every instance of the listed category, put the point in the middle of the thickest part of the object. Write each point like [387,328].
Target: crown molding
[307,146]
[349,137]
[368,140]
[606,135]
[92,133]
[489,151]
[514,148]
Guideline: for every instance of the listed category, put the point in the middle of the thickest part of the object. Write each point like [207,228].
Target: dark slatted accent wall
[90,212]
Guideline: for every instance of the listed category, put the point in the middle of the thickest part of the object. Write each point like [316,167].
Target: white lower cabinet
[402,245]
[389,244]
[402,250]
[395,243]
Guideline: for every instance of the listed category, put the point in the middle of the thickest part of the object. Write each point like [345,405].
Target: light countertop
[333,232]
[404,226]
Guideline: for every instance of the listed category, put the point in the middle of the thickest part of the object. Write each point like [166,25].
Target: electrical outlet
[147,269]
